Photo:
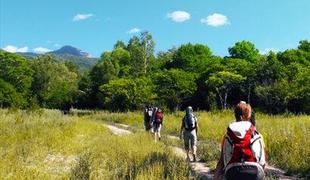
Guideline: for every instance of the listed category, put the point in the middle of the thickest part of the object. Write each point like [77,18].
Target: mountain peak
[70,50]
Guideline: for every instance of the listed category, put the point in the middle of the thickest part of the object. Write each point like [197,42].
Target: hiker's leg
[187,155]
[155,135]
[194,145]
[186,144]
[159,129]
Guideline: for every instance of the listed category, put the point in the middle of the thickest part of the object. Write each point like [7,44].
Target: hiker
[242,154]
[189,129]
[252,120]
[148,110]
[157,121]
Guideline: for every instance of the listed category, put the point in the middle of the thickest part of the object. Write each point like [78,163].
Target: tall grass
[286,136]
[49,145]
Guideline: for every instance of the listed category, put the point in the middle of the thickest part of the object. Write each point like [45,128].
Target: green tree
[174,86]
[105,70]
[298,97]
[223,82]
[269,69]
[304,45]
[54,85]
[122,57]
[192,58]
[244,50]
[9,97]
[119,44]
[16,70]
[141,52]
[294,56]
[136,55]
[127,94]
[245,69]
[204,97]
[147,44]
[272,97]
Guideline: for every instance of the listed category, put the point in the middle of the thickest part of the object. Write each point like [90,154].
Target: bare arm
[182,127]
[197,128]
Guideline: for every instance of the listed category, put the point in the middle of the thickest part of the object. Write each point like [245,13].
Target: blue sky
[95,25]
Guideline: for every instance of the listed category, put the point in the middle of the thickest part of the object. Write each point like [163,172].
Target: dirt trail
[200,169]
[118,131]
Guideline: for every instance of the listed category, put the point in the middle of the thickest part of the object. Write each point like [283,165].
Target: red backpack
[242,151]
[159,117]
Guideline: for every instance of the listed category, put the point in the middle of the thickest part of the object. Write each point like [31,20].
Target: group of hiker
[242,148]
[153,120]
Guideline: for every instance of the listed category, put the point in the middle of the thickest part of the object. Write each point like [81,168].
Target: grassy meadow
[49,145]
[286,136]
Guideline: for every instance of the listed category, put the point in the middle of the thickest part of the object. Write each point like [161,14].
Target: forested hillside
[132,75]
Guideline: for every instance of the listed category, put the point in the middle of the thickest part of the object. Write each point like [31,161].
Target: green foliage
[122,57]
[244,50]
[272,97]
[127,94]
[223,82]
[119,44]
[174,87]
[141,51]
[54,85]
[304,45]
[9,97]
[299,92]
[16,70]
[269,69]
[294,56]
[193,58]
[211,82]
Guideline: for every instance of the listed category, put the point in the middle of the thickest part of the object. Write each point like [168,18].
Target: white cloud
[13,49]
[41,50]
[134,30]
[80,17]
[179,16]
[215,20]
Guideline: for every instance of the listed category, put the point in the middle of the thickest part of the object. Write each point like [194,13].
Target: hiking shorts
[190,139]
[156,128]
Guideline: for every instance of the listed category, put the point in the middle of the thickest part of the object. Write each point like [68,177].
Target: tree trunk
[249,93]
[145,57]
[225,100]
[221,99]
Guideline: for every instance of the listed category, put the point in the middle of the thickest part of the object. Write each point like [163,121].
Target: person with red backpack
[242,154]
[157,122]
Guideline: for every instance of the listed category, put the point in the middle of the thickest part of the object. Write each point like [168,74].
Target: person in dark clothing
[148,112]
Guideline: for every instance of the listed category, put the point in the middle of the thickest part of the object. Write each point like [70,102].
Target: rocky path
[199,169]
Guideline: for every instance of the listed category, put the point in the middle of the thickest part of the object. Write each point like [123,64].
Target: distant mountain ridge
[70,50]
[69,53]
